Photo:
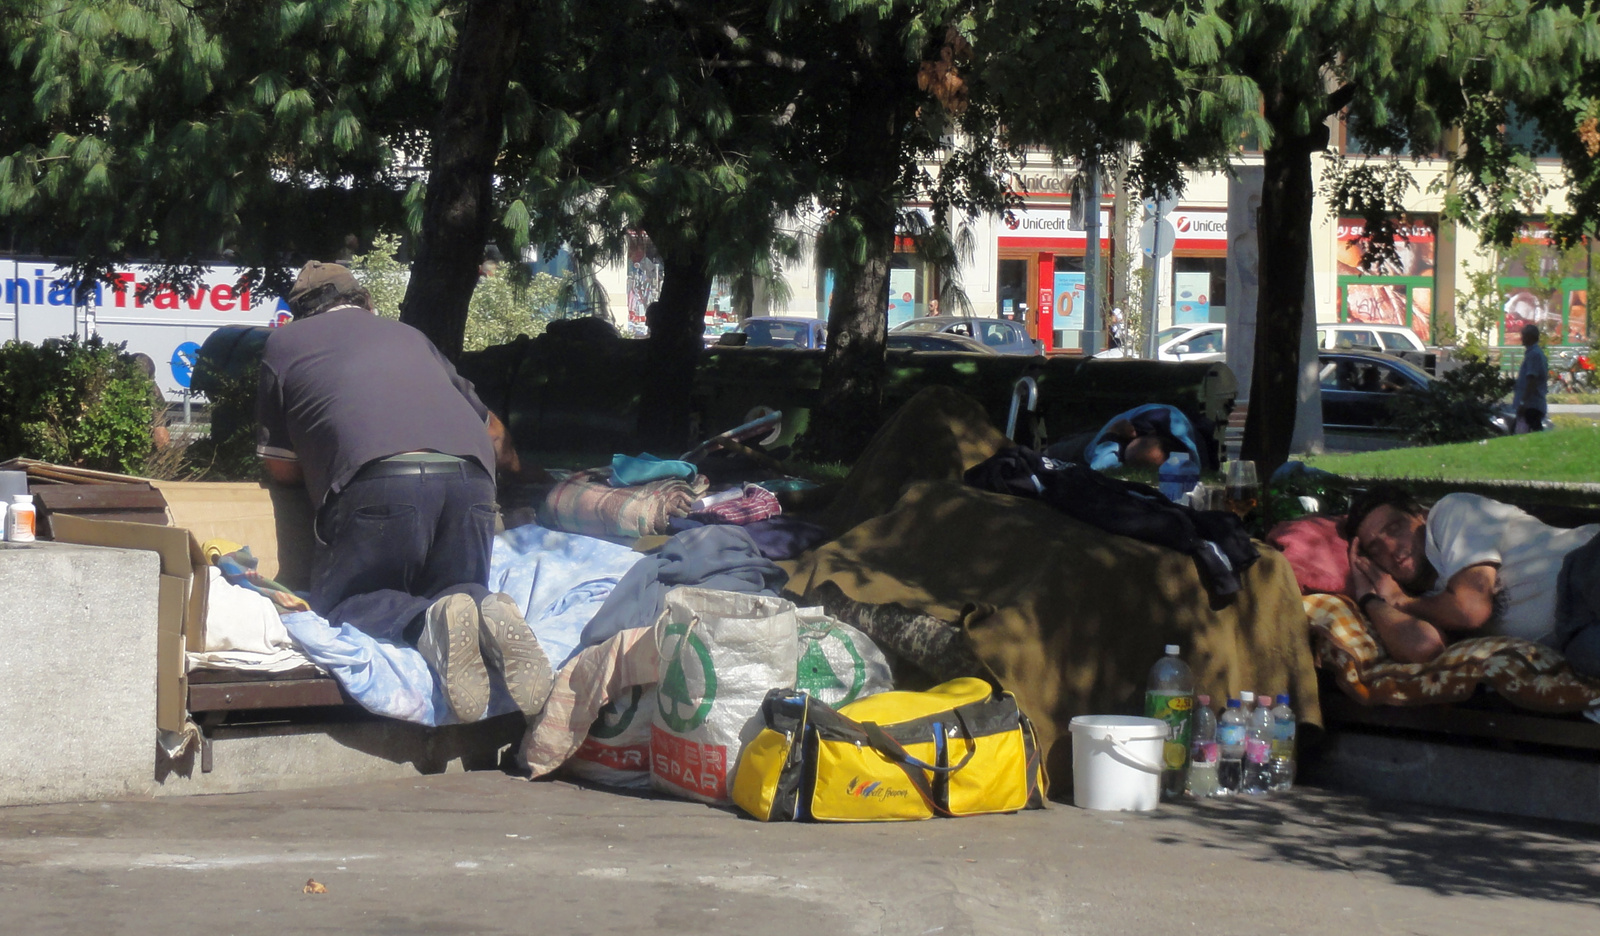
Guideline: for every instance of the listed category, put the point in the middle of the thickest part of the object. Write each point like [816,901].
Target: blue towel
[628,470]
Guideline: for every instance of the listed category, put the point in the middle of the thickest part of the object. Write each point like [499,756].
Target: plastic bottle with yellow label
[1170,697]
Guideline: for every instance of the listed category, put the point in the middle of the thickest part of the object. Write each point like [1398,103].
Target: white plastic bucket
[1116,762]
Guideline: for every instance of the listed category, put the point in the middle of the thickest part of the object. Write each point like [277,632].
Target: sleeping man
[1473,566]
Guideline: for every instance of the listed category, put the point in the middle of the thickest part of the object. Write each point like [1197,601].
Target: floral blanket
[1527,674]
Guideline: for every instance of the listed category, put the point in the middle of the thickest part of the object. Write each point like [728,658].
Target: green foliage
[503,305]
[1457,407]
[75,402]
[229,452]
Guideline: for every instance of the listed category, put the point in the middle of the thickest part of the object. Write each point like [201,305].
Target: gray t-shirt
[1535,366]
[347,387]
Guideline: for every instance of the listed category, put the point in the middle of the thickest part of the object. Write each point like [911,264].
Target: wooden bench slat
[278,693]
[1554,730]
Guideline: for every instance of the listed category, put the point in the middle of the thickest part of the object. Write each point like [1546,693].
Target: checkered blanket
[586,503]
[1525,673]
[756,503]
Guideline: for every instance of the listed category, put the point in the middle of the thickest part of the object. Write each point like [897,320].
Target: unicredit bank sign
[1048,229]
[1196,228]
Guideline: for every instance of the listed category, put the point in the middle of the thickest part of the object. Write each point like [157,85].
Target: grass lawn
[1570,453]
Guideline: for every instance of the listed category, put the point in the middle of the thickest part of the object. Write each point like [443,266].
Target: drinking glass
[1244,489]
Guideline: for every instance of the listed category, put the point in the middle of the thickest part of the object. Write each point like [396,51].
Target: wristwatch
[1369,596]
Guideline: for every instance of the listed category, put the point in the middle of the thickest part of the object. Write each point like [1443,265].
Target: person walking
[1528,400]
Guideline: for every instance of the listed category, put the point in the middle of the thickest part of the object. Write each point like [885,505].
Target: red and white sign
[699,768]
[1049,229]
[1355,229]
[1199,229]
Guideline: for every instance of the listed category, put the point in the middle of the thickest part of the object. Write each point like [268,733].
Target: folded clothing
[642,469]
[241,619]
[586,503]
[753,503]
[722,557]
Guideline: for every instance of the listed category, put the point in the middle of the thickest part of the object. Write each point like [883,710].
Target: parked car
[1202,343]
[1364,336]
[778,331]
[1358,385]
[999,335]
[936,341]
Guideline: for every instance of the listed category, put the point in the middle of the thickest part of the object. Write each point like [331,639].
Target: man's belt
[394,468]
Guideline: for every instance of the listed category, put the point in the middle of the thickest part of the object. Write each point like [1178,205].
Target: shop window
[1199,290]
[1545,286]
[1396,289]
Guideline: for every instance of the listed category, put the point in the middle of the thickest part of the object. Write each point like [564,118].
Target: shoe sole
[523,662]
[454,626]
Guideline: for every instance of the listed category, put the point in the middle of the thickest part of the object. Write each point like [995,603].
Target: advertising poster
[1069,301]
[644,281]
[1394,290]
[1191,298]
[902,296]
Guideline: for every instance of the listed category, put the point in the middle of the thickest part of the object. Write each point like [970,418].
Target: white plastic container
[21,519]
[1116,762]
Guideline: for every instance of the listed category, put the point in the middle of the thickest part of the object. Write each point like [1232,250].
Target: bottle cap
[1172,649]
[1283,699]
[1203,700]
[22,498]
[1245,695]
[1264,696]
[1233,703]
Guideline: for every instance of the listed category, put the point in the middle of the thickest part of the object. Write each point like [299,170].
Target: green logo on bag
[815,673]
[613,720]
[673,695]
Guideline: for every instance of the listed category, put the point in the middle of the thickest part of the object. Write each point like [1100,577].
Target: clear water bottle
[1177,476]
[1231,729]
[1257,776]
[1170,697]
[1283,728]
[1203,751]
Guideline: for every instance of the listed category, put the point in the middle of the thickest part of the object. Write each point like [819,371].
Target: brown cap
[316,274]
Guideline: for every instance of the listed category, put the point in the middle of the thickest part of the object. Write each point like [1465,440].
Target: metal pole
[1152,296]
[1091,264]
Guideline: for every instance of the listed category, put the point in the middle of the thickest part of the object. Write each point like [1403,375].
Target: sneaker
[449,643]
[509,646]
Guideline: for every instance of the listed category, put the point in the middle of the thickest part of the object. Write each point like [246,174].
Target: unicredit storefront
[1040,257]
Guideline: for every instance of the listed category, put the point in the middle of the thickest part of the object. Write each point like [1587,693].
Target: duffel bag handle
[892,749]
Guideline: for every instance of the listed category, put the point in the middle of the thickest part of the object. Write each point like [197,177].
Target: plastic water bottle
[1178,476]
[1283,728]
[1230,748]
[1203,751]
[1170,697]
[1257,776]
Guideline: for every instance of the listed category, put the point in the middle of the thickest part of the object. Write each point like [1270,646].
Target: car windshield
[767,333]
[1167,334]
[1395,341]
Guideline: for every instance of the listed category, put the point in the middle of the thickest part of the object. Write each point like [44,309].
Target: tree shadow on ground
[1448,853]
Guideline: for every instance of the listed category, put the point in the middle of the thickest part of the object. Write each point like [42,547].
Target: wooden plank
[1555,730]
[79,498]
[206,675]
[278,693]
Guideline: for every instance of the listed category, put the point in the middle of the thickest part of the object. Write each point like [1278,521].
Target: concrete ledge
[251,758]
[1459,776]
[77,672]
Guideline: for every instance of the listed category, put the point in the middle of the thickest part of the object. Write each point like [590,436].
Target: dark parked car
[782,332]
[999,335]
[1358,385]
[919,341]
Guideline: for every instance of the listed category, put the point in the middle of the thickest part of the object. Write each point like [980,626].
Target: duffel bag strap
[914,767]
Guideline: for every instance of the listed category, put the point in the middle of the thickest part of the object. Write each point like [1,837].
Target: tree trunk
[850,404]
[1285,238]
[459,204]
[676,320]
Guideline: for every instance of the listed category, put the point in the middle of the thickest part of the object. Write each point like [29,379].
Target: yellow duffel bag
[959,749]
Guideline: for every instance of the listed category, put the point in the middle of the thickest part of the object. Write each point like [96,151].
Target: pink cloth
[1318,554]
[757,503]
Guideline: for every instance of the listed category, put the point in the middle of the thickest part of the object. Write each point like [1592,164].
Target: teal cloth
[628,470]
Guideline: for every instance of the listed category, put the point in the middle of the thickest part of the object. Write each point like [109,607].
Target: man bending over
[399,455]
[1473,566]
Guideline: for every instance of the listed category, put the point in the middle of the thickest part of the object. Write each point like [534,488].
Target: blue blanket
[559,580]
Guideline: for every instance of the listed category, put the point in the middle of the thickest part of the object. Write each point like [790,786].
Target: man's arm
[505,449]
[1412,628]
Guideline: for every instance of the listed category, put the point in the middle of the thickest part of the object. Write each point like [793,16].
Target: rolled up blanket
[586,503]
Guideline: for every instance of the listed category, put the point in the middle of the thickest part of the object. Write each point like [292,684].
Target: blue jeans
[1577,633]
[388,547]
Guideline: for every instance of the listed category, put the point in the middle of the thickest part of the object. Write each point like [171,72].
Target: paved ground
[487,853]
[1575,409]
